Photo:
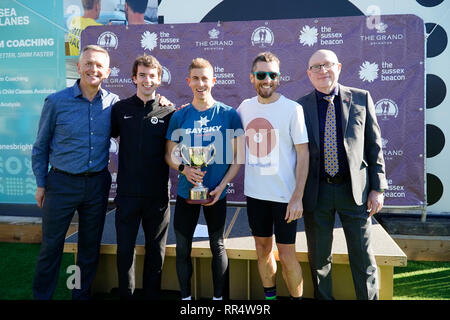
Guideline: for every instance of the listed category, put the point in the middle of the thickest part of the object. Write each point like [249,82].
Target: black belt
[82,174]
[337,179]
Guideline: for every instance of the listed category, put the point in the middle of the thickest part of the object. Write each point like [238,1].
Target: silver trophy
[198,157]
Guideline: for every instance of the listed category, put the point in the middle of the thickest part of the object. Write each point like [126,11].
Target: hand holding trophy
[198,157]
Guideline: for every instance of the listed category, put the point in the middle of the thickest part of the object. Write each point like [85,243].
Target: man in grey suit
[346,175]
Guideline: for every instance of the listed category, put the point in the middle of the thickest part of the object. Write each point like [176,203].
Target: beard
[266,93]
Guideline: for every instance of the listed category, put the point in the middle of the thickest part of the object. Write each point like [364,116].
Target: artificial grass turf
[420,280]
[17,264]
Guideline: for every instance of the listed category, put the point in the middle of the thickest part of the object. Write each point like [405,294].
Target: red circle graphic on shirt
[260,137]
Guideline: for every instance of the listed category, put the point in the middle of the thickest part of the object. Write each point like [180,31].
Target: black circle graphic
[436,41]
[238,10]
[435,140]
[436,91]
[435,189]
[429,3]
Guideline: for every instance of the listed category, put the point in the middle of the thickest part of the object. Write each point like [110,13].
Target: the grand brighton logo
[381,27]
[262,37]
[213,33]
[215,42]
[108,40]
[382,36]
[368,71]
[149,40]
[114,72]
[115,80]
[308,36]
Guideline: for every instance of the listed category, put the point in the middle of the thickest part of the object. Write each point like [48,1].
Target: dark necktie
[330,140]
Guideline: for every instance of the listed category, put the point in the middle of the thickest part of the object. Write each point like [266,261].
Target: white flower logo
[368,71]
[149,40]
[308,36]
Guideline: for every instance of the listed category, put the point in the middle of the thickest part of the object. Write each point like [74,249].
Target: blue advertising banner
[32,65]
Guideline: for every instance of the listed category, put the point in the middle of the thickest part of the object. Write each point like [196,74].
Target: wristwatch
[181,168]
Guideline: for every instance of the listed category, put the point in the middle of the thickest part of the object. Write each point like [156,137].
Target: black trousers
[154,214]
[319,225]
[185,221]
[63,195]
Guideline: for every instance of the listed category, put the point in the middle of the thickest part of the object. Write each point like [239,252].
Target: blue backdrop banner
[32,65]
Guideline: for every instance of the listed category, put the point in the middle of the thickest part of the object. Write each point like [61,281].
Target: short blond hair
[94,47]
[200,63]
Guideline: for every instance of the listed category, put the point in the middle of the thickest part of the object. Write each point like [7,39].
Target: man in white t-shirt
[276,167]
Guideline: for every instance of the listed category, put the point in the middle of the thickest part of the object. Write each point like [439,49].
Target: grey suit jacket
[362,143]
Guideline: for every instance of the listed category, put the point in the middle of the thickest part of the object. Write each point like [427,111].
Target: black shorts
[267,218]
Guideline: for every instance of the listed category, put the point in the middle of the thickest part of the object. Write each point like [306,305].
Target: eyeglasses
[261,75]
[326,66]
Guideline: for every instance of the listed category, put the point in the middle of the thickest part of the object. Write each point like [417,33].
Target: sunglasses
[261,75]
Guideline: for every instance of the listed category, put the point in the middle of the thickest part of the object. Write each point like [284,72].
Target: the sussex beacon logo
[149,40]
[368,71]
[308,36]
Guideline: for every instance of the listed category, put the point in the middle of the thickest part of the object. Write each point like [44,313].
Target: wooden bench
[244,281]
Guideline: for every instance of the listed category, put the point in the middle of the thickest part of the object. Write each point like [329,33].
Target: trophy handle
[211,154]
[182,154]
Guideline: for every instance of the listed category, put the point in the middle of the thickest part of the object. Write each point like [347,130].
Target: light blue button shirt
[74,133]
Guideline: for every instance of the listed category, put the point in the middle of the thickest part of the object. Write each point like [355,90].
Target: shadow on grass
[422,280]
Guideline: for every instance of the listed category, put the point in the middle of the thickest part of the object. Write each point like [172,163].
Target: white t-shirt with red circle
[271,133]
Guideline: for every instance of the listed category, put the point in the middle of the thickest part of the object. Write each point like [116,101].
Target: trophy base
[201,201]
[199,195]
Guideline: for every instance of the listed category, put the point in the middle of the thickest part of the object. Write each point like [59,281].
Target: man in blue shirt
[204,122]
[74,138]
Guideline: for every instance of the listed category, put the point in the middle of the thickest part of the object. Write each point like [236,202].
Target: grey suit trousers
[319,233]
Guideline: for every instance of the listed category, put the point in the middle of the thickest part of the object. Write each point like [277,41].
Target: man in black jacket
[143,175]
[346,175]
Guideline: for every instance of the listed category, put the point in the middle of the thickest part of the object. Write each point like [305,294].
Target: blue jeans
[63,195]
